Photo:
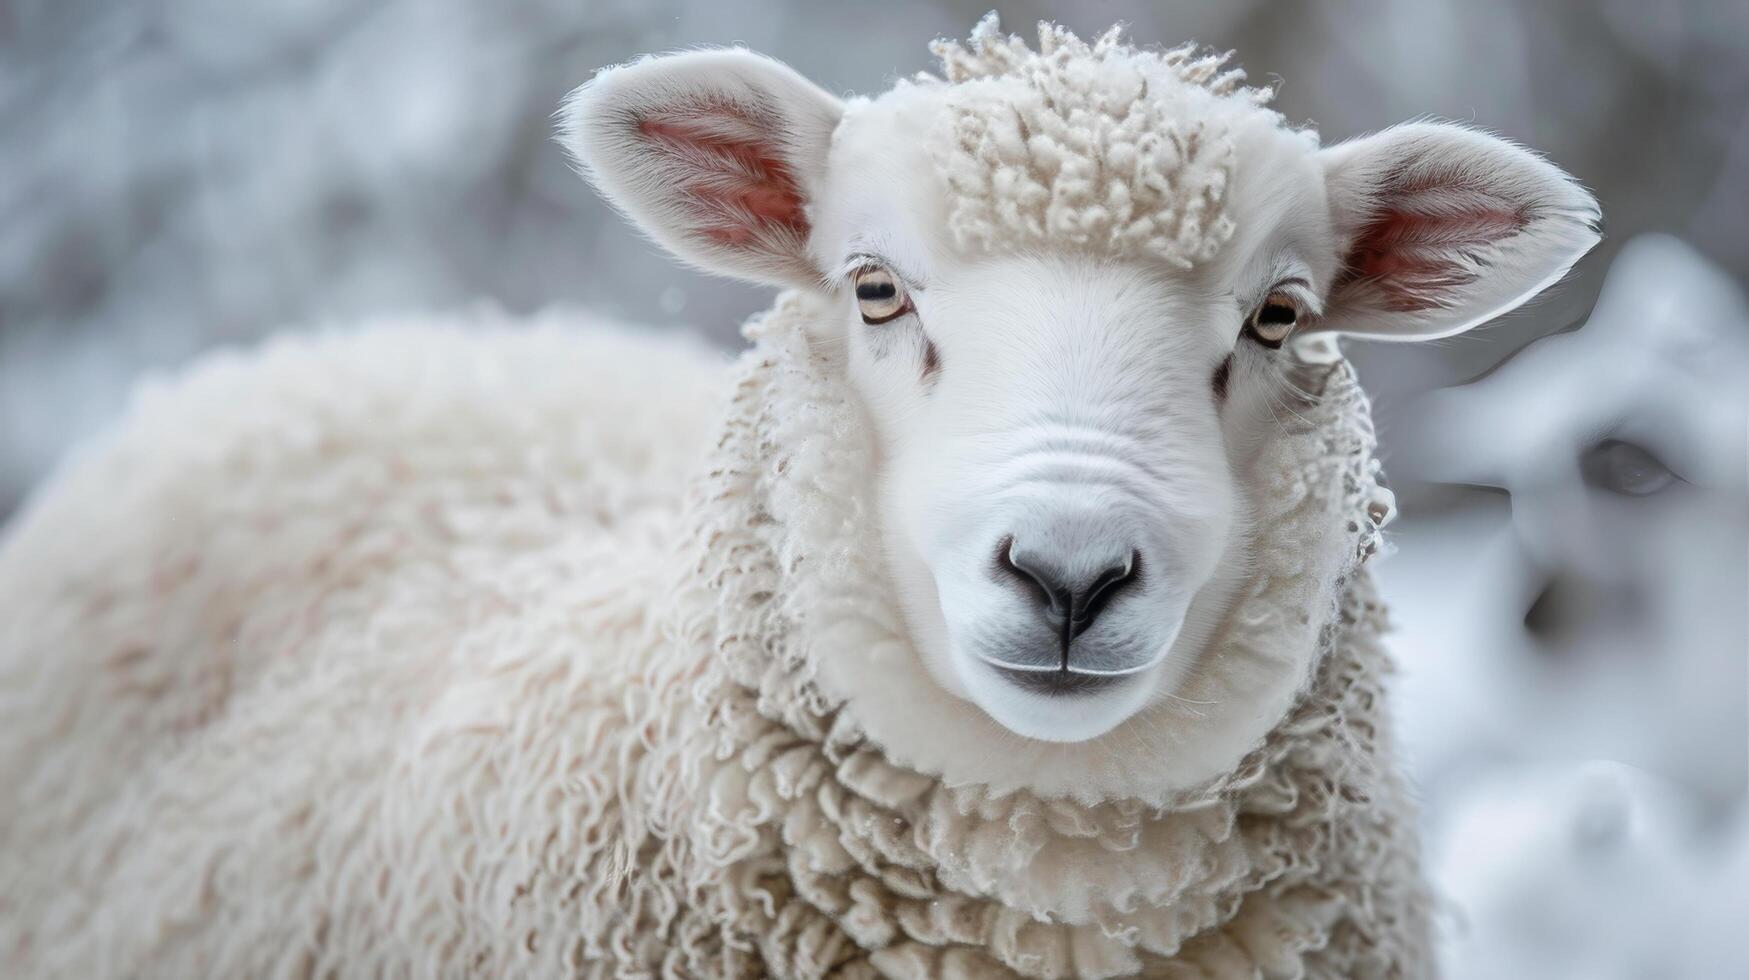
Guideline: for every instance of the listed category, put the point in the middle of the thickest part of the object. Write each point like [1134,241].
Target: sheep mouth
[1060,682]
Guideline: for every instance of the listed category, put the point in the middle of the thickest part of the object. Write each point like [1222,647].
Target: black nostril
[1089,601]
[1073,608]
[1042,585]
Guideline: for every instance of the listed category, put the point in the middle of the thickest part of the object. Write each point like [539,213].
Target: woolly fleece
[1101,146]
[400,653]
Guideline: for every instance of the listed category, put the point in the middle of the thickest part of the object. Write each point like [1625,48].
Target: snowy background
[1573,553]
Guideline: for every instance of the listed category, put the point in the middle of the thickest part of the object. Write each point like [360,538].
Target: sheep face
[1068,283]
[1055,488]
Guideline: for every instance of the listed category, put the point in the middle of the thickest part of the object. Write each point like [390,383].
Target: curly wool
[1098,146]
[1299,862]
[383,665]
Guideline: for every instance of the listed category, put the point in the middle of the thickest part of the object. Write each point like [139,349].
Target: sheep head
[1070,280]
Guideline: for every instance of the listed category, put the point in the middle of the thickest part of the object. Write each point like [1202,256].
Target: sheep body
[310,613]
[374,658]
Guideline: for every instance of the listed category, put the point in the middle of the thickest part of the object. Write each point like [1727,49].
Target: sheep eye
[1273,319]
[879,295]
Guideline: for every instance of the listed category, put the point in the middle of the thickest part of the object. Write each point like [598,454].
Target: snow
[1575,645]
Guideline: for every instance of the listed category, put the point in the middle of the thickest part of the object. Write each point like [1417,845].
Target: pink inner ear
[729,166]
[1425,240]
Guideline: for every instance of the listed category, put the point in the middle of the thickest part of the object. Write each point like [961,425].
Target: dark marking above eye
[1223,374]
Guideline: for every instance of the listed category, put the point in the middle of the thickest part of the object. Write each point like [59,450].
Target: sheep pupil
[876,291]
[1276,314]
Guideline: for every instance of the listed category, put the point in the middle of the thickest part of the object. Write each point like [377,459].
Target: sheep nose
[1072,599]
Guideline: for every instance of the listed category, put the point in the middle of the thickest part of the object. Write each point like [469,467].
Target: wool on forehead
[1102,146]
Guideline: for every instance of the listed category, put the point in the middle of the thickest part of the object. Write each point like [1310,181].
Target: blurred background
[1572,568]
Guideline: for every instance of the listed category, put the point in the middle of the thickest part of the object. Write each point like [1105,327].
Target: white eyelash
[858,261]
[1303,293]
[1288,269]
[862,260]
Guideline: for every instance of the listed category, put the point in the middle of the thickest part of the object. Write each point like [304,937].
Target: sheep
[1015,623]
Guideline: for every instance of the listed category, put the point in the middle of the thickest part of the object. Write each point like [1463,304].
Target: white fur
[378,659]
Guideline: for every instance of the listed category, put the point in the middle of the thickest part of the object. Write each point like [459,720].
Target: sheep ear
[714,154]
[1442,228]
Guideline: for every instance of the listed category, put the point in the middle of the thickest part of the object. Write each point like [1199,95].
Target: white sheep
[1019,626]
